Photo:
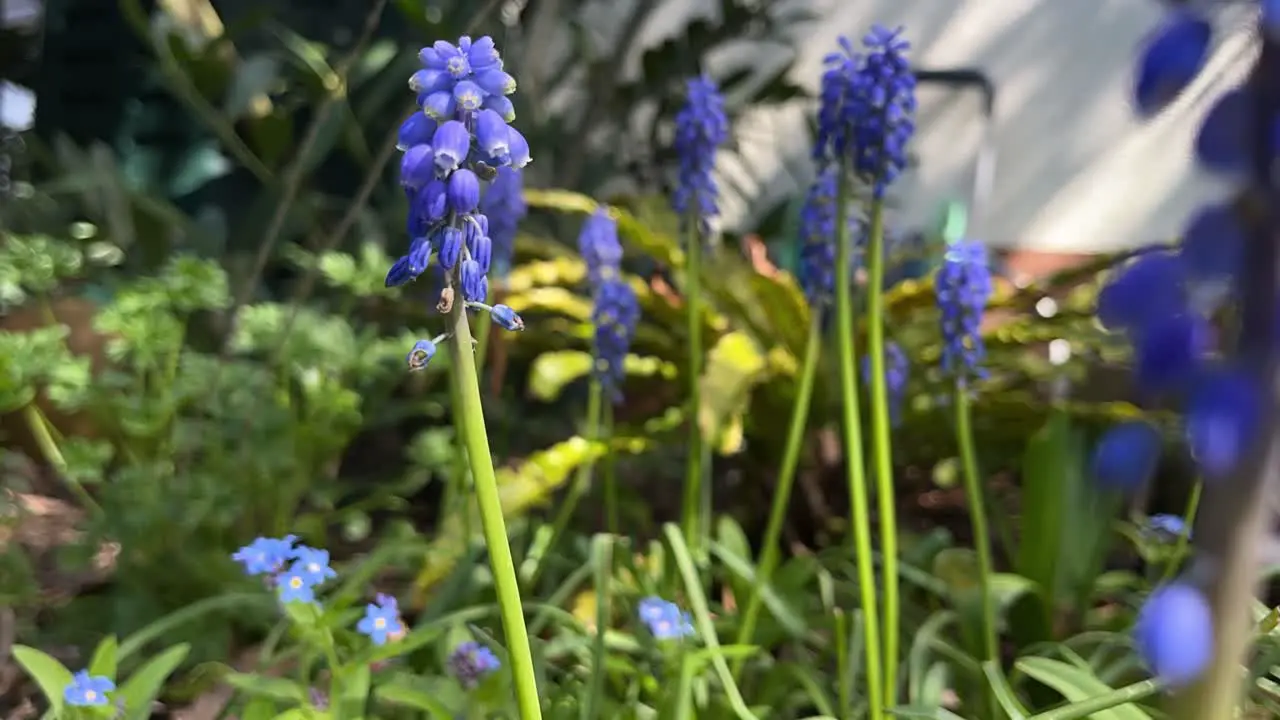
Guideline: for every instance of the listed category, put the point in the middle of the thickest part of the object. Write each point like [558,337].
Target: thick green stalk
[858,505]
[610,474]
[786,479]
[692,511]
[476,439]
[882,450]
[981,536]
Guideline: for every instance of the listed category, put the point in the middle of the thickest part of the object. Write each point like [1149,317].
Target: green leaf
[145,683]
[195,611]
[259,709]
[553,371]
[924,713]
[416,694]
[1077,685]
[104,658]
[787,616]
[52,677]
[735,365]
[352,693]
[267,687]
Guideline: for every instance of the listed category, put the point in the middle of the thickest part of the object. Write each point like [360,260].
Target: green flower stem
[692,512]
[1184,537]
[882,450]
[859,506]
[610,474]
[484,325]
[42,430]
[1106,701]
[786,479]
[581,480]
[978,517]
[475,437]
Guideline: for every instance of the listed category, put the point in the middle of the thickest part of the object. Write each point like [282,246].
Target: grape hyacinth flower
[867,114]
[1174,633]
[818,239]
[504,205]
[897,367]
[665,620]
[1171,58]
[598,244]
[381,621]
[615,313]
[471,662]
[1127,455]
[963,286]
[461,139]
[701,128]
[87,691]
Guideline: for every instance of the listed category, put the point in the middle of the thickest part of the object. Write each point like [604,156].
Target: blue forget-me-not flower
[381,621]
[265,556]
[85,690]
[701,128]
[963,286]
[1166,525]
[470,662]
[1174,633]
[867,112]
[459,140]
[665,620]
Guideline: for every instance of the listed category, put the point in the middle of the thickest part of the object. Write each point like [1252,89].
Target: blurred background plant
[197,348]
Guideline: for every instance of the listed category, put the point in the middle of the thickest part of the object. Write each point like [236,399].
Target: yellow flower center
[379,623]
[90,695]
[295,582]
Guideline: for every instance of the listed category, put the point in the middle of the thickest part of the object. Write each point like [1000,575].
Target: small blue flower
[665,620]
[504,205]
[1127,456]
[615,314]
[818,238]
[87,691]
[417,167]
[314,564]
[463,192]
[598,244]
[295,585]
[1224,413]
[1213,243]
[421,354]
[381,620]
[470,662]
[507,318]
[417,129]
[1174,633]
[963,286]
[701,128]
[1169,351]
[867,112]
[1172,56]
[265,556]
[1168,525]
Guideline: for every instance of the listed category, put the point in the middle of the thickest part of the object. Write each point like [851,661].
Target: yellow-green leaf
[553,371]
[635,233]
[734,367]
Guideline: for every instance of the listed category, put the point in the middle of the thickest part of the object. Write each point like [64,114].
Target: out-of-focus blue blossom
[1127,455]
[867,111]
[896,369]
[314,564]
[1170,350]
[1174,633]
[1145,291]
[1224,412]
[598,244]
[701,128]
[1212,247]
[470,662]
[818,238]
[295,585]
[963,286]
[1171,58]
[85,690]
[615,313]
[665,620]
[461,137]
[1170,525]
[504,205]
[265,556]
[381,621]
